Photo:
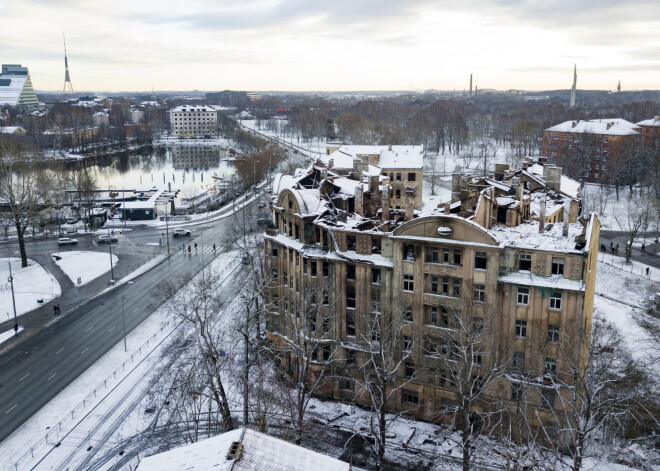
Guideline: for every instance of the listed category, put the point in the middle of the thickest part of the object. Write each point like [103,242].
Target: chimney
[542,215]
[500,169]
[357,169]
[358,200]
[565,226]
[373,186]
[385,203]
[656,119]
[609,125]
[331,163]
[575,123]
[552,176]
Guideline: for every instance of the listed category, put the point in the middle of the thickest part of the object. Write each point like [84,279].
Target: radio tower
[67,78]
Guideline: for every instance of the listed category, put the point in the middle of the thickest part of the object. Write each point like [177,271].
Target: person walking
[643,247]
[214,247]
[195,246]
[647,272]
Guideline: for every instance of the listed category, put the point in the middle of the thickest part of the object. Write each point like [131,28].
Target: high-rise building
[194,121]
[16,86]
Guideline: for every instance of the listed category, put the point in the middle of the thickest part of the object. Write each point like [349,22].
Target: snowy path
[30,284]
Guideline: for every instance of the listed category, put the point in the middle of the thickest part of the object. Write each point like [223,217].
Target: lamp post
[13,300]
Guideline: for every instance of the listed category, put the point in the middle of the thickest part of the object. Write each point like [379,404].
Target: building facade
[509,252]
[650,131]
[591,147]
[194,121]
[16,86]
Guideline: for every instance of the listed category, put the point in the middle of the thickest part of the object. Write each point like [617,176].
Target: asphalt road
[36,370]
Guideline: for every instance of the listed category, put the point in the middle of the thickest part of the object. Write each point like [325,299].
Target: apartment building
[595,144]
[650,131]
[508,250]
[194,121]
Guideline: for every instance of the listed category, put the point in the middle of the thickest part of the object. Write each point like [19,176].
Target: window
[275,274]
[456,292]
[346,384]
[375,276]
[518,363]
[411,176]
[477,325]
[555,300]
[276,324]
[553,333]
[407,344]
[476,358]
[285,279]
[548,398]
[431,346]
[409,369]
[434,284]
[480,293]
[522,297]
[550,366]
[408,314]
[458,254]
[557,266]
[445,255]
[326,269]
[480,260]
[525,262]
[409,397]
[432,255]
[398,177]
[432,316]
[274,251]
[521,329]
[516,391]
[397,193]
[313,267]
[351,357]
[350,242]
[408,284]
[409,253]
[555,136]
[350,272]
[326,299]
[350,297]
[445,286]
[350,325]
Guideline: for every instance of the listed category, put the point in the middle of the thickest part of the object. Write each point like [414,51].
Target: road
[39,368]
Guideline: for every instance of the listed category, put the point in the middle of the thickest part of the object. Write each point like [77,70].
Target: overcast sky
[334,45]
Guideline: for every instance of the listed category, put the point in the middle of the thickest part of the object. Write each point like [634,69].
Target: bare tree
[591,391]
[24,187]
[386,370]
[634,220]
[85,187]
[304,346]
[472,361]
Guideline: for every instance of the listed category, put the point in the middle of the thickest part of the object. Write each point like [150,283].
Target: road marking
[59,351]
[11,409]
[24,377]
[90,328]
[84,350]
[54,374]
[113,328]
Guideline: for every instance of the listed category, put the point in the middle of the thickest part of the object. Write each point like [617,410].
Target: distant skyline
[345,45]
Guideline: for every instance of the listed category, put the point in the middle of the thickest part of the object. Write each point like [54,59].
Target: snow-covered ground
[4,336]
[612,213]
[30,284]
[442,194]
[84,265]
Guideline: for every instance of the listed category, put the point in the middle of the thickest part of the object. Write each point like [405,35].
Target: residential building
[400,167]
[16,86]
[650,131]
[510,247]
[194,121]
[13,130]
[241,450]
[589,148]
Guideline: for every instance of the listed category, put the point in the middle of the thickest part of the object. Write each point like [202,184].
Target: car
[180,232]
[263,221]
[66,241]
[103,238]
[261,205]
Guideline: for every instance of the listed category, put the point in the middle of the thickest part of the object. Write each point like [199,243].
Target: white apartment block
[194,121]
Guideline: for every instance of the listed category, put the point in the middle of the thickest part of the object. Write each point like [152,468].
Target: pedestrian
[647,272]
[189,249]
[214,247]
[195,246]
[643,247]
[617,248]
[55,309]
[611,246]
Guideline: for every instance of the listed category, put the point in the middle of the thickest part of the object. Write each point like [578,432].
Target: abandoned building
[512,248]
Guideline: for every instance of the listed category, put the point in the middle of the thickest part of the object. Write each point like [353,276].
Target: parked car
[263,221]
[103,238]
[261,205]
[180,232]
[66,241]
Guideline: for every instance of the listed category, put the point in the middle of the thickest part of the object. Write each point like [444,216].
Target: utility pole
[167,228]
[13,300]
[123,320]
[112,271]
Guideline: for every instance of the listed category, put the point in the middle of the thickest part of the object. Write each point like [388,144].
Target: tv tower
[574,87]
[67,77]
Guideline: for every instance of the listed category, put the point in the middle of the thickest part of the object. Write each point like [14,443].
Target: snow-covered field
[84,265]
[612,213]
[30,284]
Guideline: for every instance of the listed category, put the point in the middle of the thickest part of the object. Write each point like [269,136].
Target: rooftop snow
[567,186]
[194,108]
[650,122]
[260,452]
[397,157]
[527,236]
[613,127]
[553,281]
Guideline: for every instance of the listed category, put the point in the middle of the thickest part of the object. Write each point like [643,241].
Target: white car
[180,232]
[66,241]
[103,238]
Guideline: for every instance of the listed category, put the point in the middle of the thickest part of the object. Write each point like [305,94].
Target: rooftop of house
[194,108]
[611,126]
[655,122]
[385,157]
[258,452]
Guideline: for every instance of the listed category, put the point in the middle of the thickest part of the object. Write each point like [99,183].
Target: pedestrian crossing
[178,251]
